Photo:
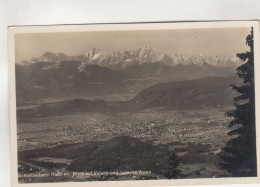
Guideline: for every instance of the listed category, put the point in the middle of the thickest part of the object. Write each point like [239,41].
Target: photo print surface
[123,105]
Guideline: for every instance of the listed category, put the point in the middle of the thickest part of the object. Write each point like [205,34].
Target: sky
[220,41]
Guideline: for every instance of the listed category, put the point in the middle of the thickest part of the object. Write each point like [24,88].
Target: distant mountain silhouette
[178,72]
[43,80]
[66,78]
[189,94]
[209,92]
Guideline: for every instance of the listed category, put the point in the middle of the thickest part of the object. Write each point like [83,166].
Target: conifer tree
[239,154]
[173,171]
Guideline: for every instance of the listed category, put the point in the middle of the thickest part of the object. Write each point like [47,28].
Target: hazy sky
[226,41]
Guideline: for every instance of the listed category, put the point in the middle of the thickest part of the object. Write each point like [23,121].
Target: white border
[117,27]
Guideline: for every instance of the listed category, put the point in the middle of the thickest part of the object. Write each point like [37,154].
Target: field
[195,135]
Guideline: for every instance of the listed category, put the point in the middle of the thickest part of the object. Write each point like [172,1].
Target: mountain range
[100,75]
[126,58]
[190,94]
[42,80]
[65,79]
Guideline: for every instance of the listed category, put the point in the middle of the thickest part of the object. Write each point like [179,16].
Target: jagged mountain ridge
[142,55]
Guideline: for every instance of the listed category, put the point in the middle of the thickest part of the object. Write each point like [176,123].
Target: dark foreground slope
[122,153]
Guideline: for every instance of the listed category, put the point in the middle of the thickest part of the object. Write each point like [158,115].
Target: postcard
[135,104]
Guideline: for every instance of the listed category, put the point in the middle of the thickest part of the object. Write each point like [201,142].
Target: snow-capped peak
[142,55]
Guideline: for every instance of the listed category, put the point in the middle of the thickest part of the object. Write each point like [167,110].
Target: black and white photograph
[134,102]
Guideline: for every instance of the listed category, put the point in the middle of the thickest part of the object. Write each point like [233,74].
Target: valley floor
[195,135]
